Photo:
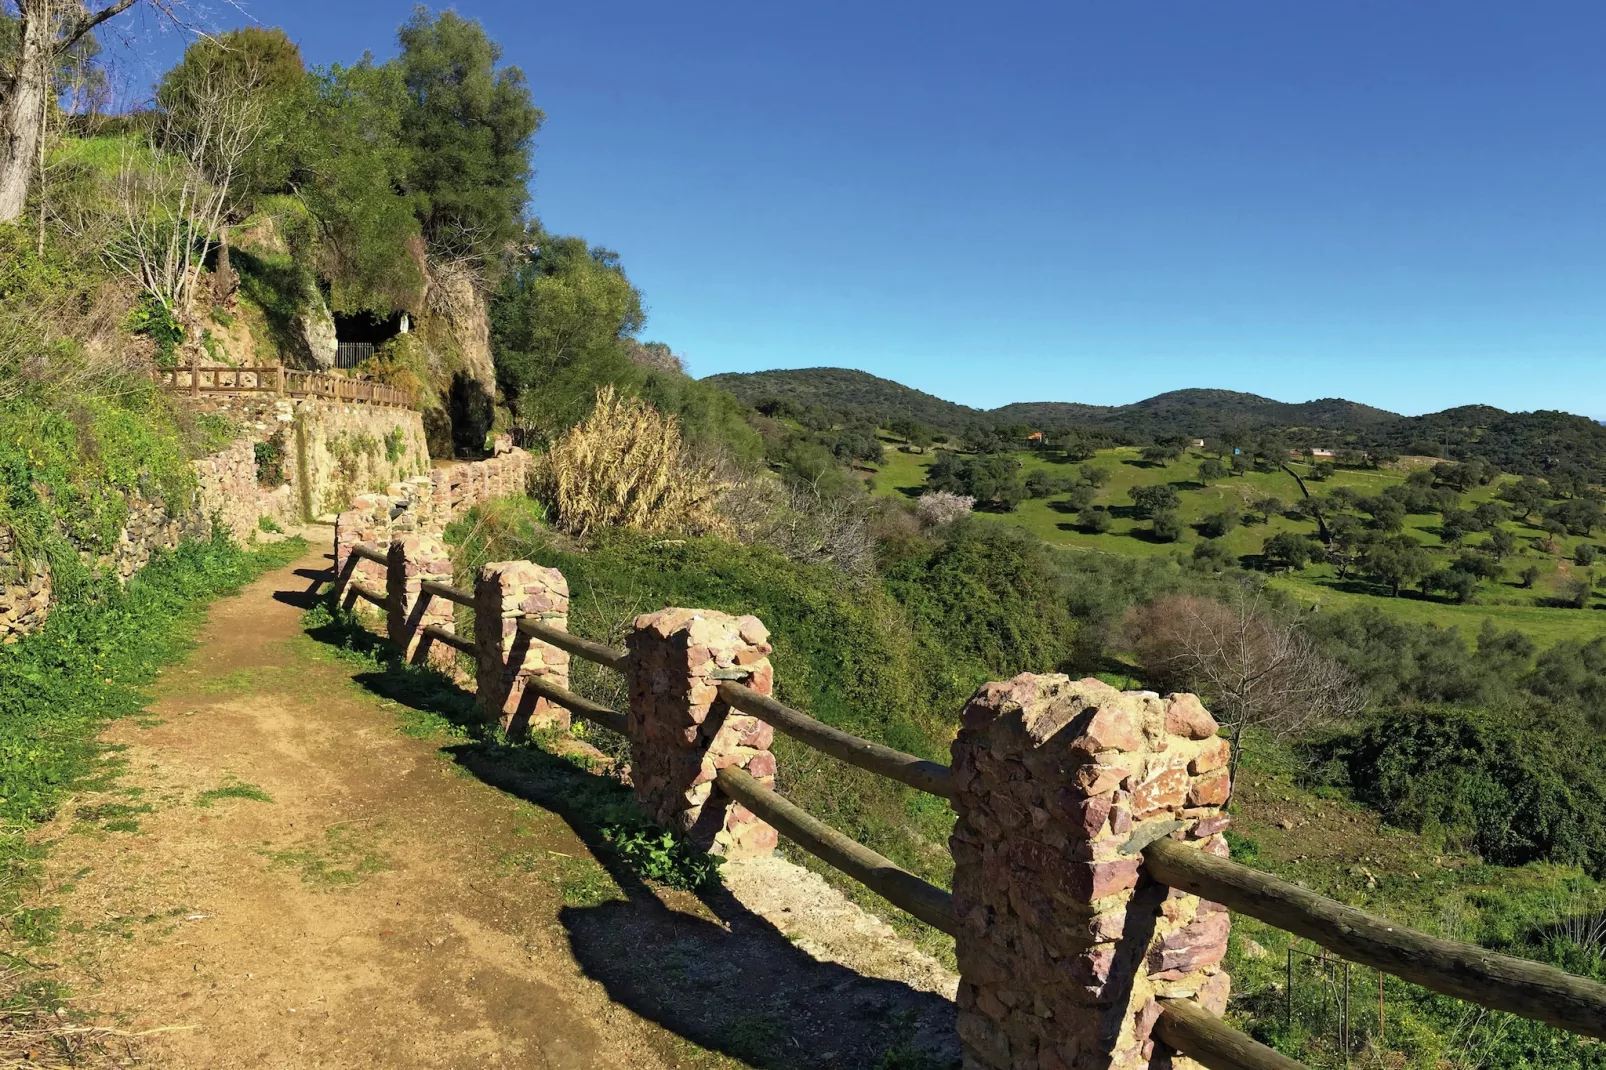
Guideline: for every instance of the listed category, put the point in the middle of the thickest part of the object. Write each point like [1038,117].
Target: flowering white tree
[939,507]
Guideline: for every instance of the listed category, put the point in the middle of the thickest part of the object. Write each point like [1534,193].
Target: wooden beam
[1189,1029]
[612,720]
[447,591]
[367,592]
[369,552]
[451,639]
[898,886]
[1466,971]
[601,653]
[895,764]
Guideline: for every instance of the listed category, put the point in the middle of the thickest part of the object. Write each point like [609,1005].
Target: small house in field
[1198,444]
[1322,453]
[1035,438]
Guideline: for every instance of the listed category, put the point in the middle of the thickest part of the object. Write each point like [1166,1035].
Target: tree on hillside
[1159,497]
[1525,496]
[559,324]
[468,126]
[1290,550]
[1211,470]
[1094,475]
[1396,563]
[44,31]
[994,482]
[1253,663]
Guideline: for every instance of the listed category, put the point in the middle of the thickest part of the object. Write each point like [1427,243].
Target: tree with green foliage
[1528,577]
[1397,563]
[1219,524]
[1584,554]
[994,481]
[1289,549]
[1525,496]
[1095,520]
[1269,507]
[1094,475]
[262,61]
[1213,555]
[1211,470]
[1502,543]
[558,325]
[468,126]
[1166,526]
[1155,498]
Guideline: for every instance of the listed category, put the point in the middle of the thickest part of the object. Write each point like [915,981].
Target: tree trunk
[22,110]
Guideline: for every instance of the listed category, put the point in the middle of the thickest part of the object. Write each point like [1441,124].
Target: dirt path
[293,882]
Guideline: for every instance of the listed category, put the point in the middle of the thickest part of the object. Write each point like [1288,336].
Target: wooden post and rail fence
[1092,891]
[278,381]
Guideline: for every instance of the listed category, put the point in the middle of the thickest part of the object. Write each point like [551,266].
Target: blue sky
[1090,200]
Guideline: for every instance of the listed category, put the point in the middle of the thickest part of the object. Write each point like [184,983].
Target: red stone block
[1185,716]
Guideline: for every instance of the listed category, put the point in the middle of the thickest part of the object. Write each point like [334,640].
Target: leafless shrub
[175,193]
[626,466]
[1253,664]
[802,524]
[938,507]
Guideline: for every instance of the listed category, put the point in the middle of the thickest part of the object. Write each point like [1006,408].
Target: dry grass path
[293,882]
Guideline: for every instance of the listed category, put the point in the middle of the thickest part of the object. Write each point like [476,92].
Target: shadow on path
[721,976]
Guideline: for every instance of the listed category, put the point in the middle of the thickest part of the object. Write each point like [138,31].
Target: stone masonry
[415,558]
[682,732]
[368,520]
[504,592]
[1064,944]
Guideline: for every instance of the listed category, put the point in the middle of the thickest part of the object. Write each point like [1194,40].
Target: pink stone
[761,764]
[1163,791]
[1212,756]
[1185,716]
[1210,791]
[1112,728]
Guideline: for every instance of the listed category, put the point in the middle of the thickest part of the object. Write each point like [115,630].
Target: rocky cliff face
[454,331]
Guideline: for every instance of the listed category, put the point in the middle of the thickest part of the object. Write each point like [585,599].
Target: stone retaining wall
[226,493]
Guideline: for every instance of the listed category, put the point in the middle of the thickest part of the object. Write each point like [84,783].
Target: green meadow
[903,474]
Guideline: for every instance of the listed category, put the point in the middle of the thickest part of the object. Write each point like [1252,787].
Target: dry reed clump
[626,466]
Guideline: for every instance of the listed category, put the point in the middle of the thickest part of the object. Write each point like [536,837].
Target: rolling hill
[1537,441]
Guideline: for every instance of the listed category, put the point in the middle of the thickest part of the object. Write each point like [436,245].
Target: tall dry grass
[626,466]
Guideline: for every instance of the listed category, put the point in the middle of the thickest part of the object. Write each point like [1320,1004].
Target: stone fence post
[415,558]
[368,520]
[1064,944]
[682,732]
[504,591]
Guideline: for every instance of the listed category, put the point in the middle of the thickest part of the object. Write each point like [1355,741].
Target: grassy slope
[1341,849]
[903,474]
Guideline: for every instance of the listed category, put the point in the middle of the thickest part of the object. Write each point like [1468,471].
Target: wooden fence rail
[278,381]
[1466,971]
[1500,982]
[918,773]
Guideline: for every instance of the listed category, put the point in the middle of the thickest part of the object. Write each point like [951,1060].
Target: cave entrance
[358,333]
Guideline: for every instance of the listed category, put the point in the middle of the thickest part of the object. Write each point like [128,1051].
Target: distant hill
[1520,442]
[1196,412]
[847,390]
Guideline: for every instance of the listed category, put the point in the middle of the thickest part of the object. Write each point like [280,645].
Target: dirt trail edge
[282,878]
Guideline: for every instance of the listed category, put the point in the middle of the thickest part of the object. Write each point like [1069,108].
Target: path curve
[383,906]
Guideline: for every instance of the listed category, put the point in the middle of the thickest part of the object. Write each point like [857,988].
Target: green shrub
[270,457]
[1517,785]
[157,322]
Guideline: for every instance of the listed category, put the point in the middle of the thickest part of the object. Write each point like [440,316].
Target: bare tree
[176,193]
[47,29]
[1254,664]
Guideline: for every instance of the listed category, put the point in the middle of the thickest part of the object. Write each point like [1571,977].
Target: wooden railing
[1500,982]
[278,381]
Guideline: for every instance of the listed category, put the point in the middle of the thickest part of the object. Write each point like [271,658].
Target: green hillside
[1538,443]
[1531,610]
